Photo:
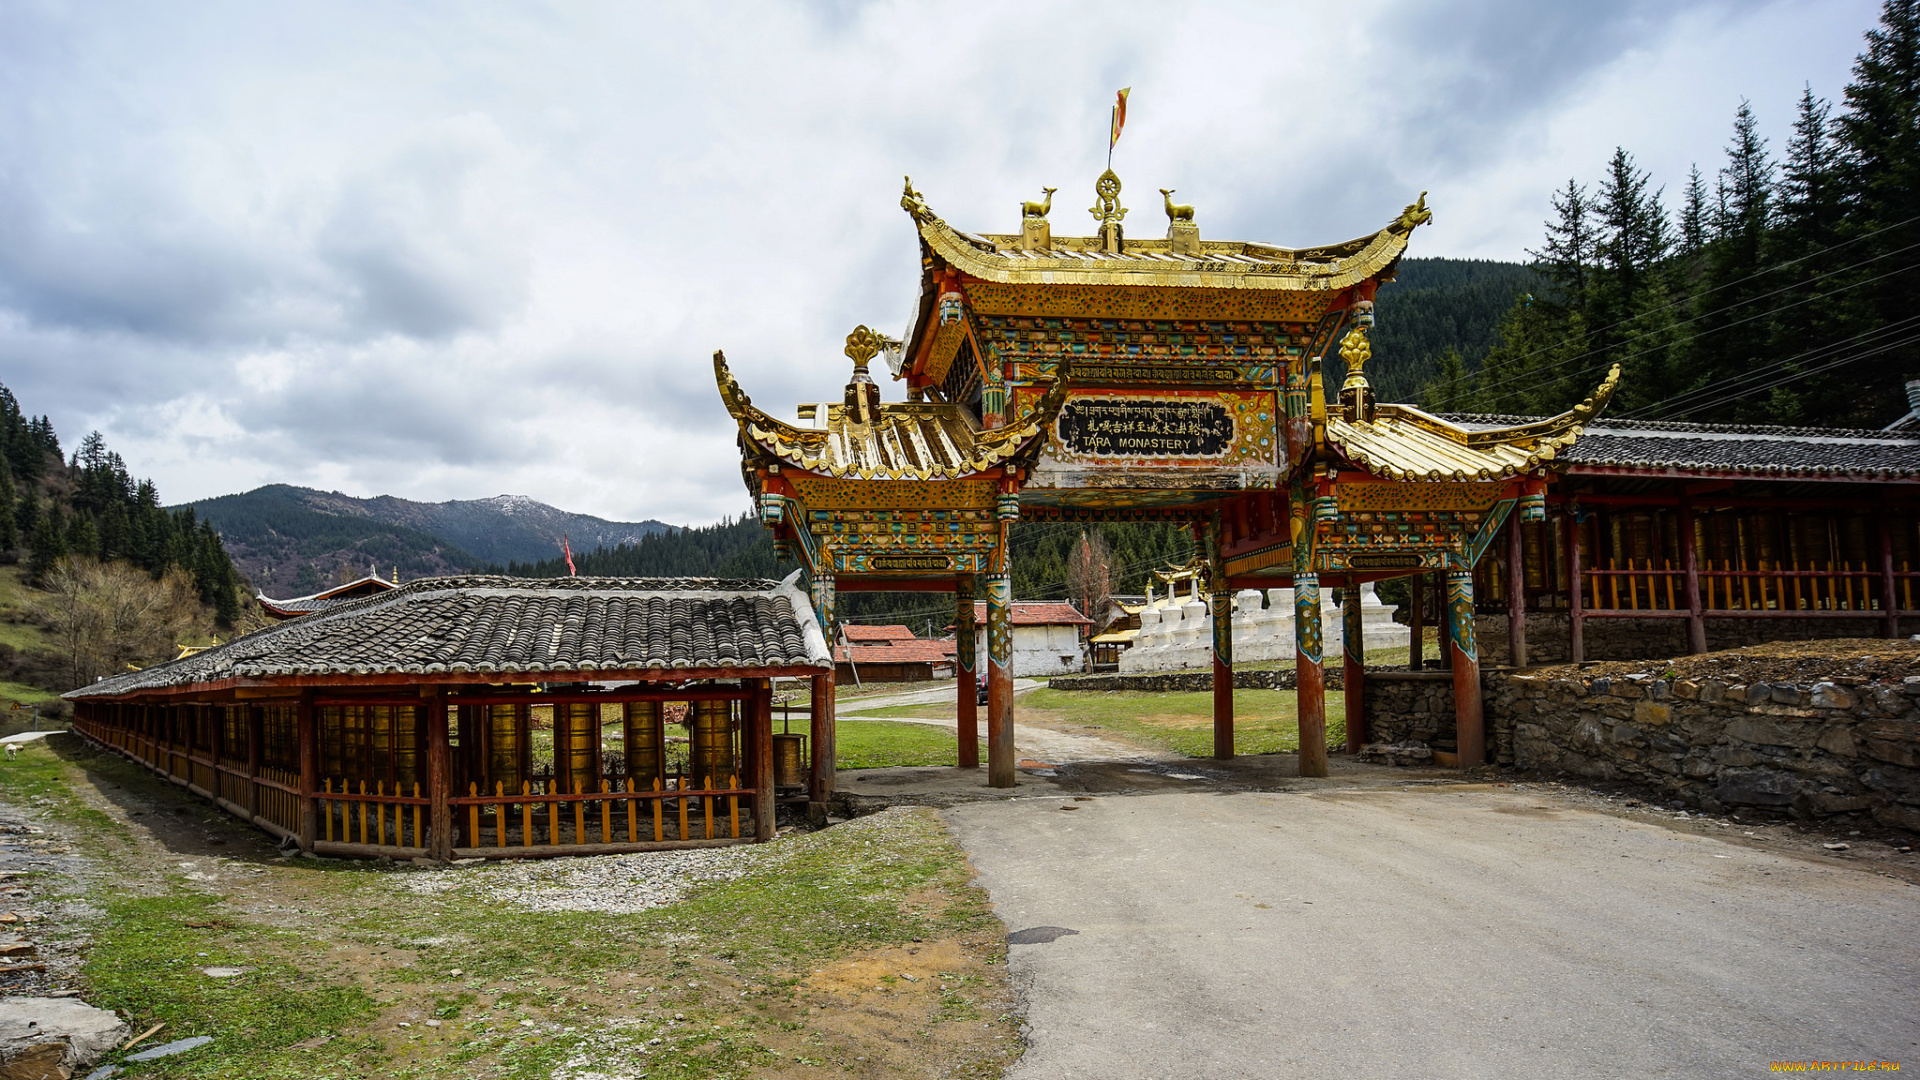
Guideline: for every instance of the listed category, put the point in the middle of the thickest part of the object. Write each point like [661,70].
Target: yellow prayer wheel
[644,738]
[503,745]
[789,760]
[574,744]
[712,743]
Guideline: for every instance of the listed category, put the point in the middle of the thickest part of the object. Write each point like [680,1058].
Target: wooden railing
[672,812]
[344,815]
[1658,588]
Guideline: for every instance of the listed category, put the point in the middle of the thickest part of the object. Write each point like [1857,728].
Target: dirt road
[1432,933]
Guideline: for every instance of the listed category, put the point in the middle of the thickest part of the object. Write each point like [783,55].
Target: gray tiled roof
[483,625]
[1752,449]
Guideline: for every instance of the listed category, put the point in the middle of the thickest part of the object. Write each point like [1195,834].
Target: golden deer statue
[1175,212]
[1038,209]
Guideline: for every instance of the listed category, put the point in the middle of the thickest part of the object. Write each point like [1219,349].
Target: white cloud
[444,251]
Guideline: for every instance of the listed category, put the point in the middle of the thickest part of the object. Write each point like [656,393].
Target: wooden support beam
[1576,630]
[1417,623]
[1889,597]
[256,729]
[1353,642]
[820,742]
[1000,755]
[763,793]
[1310,686]
[966,670]
[1222,603]
[439,779]
[1516,593]
[1468,717]
[1690,568]
[309,735]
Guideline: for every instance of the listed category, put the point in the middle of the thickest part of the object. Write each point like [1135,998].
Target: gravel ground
[1860,659]
[622,884]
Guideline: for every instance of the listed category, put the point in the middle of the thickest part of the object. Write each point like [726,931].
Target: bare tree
[1088,576]
[106,616]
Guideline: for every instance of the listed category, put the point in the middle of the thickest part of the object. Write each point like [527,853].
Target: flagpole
[1112,112]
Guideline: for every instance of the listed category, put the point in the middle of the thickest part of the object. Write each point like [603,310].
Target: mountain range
[292,540]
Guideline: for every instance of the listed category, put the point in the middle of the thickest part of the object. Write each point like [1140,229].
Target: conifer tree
[1693,216]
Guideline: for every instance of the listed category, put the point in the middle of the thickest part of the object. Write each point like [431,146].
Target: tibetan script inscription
[1145,428]
[909,562]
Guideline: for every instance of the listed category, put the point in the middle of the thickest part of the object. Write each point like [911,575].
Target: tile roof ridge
[1681,427]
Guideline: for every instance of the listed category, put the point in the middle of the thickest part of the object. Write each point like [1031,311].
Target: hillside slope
[503,529]
[1430,306]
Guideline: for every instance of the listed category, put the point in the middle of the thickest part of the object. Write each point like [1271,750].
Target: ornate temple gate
[1103,378]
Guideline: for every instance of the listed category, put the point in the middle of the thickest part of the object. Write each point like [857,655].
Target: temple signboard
[1145,428]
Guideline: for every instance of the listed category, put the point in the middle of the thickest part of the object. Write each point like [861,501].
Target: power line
[1683,400]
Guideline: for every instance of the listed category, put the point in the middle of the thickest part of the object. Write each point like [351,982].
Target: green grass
[353,952]
[878,744]
[26,695]
[1264,721]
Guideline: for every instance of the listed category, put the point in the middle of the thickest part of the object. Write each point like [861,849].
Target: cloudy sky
[456,250]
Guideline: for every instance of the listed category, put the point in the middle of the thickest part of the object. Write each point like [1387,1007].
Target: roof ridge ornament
[1415,215]
[916,204]
[1107,210]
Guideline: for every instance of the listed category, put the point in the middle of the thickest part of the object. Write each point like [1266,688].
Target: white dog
[13,751]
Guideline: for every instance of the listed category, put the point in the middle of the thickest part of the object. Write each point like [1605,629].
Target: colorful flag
[567,547]
[1119,118]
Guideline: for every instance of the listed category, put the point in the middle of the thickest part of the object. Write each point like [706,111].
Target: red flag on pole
[1119,118]
[567,547]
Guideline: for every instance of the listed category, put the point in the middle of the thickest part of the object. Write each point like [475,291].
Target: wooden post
[1576,629]
[966,672]
[256,729]
[440,780]
[820,742]
[1310,688]
[1469,721]
[1417,623]
[1889,595]
[1690,567]
[1516,593]
[1222,672]
[309,733]
[1354,647]
[762,728]
[1000,763]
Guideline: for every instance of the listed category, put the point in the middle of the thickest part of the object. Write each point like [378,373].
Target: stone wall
[1649,639]
[1410,707]
[1817,750]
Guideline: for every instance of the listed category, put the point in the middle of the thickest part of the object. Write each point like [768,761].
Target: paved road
[939,695]
[1431,933]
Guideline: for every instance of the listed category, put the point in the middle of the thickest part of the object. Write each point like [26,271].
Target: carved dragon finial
[1415,214]
[1038,209]
[1175,211]
[916,204]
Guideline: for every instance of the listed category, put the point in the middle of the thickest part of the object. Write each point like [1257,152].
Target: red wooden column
[1889,594]
[1222,602]
[256,728]
[1417,623]
[1354,650]
[440,779]
[763,793]
[309,734]
[1000,759]
[1468,718]
[1690,567]
[820,742]
[1576,628]
[1516,593]
[1310,686]
[966,671]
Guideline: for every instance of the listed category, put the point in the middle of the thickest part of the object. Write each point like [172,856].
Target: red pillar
[1222,674]
[309,733]
[1889,594]
[1000,759]
[966,670]
[1576,628]
[820,741]
[1469,720]
[439,778]
[762,727]
[1516,593]
[1354,649]
[1690,567]
[1309,676]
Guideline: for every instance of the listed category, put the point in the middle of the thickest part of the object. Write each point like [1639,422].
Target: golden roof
[1403,443]
[1217,264]
[902,441]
